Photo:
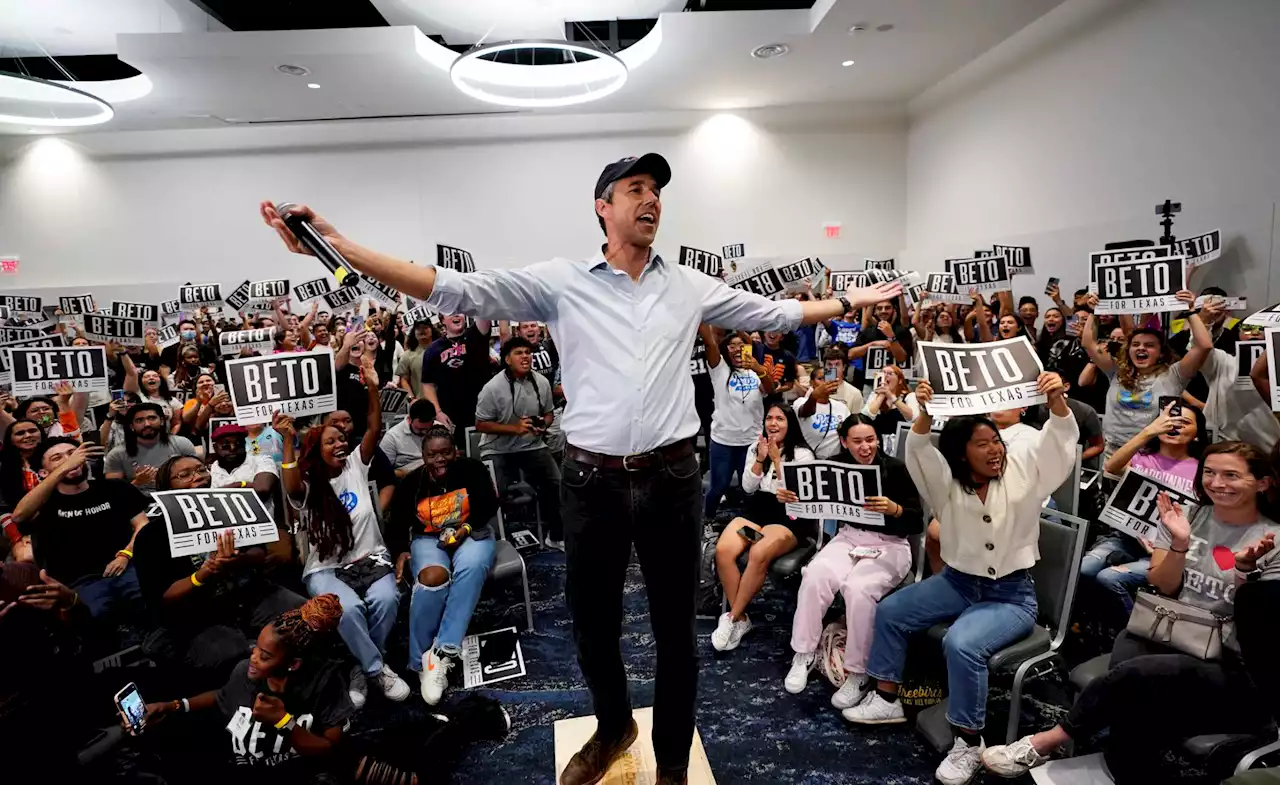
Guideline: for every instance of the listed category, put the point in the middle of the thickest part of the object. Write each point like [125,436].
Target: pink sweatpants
[862,583]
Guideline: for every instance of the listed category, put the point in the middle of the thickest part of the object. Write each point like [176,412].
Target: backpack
[830,659]
[710,596]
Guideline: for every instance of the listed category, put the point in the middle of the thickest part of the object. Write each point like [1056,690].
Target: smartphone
[1176,411]
[132,708]
[1052,283]
[219,389]
[1075,325]
[864,552]
[750,535]
[117,395]
[747,354]
[830,374]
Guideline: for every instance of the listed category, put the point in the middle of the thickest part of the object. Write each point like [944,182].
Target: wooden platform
[638,766]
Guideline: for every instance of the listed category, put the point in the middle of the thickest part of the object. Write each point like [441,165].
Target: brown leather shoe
[589,764]
[673,776]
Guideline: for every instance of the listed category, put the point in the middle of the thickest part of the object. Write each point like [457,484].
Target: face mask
[188,335]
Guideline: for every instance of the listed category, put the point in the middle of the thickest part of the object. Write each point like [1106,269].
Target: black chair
[517,494]
[508,564]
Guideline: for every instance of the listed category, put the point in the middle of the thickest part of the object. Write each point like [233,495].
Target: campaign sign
[794,274]
[170,307]
[19,304]
[11,334]
[311,289]
[878,264]
[735,251]
[702,261]
[270,289]
[1247,353]
[261,340]
[1132,507]
[942,287]
[1018,257]
[1125,255]
[978,378]
[394,400]
[1201,248]
[421,313]
[1267,317]
[200,294]
[344,298]
[455,259]
[1228,303]
[36,371]
[490,657]
[916,295]
[986,275]
[194,518]
[104,328]
[842,282]
[1142,286]
[144,311]
[379,291]
[831,489]
[6,372]
[878,359]
[761,279]
[297,383]
[167,336]
[1273,365]
[76,304]
[239,297]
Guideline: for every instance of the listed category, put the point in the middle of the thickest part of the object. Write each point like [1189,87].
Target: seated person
[147,444]
[58,416]
[235,468]
[892,402]
[210,604]
[402,443]
[820,415]
[1150,698]
[861,579]
[1168,449]
[17,475]
[835,366]
[380,471]
[1013,431]
[340,540]
[512,414]
[448,493]
[764,514]
[988,500]
[83,531]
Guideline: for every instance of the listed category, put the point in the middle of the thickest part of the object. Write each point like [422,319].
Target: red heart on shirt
[1224,557]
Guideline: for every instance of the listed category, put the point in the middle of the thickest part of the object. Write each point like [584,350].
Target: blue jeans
[724,462]
[366,622]
[1119,564]
[103,596]
[989,615]
[439,615]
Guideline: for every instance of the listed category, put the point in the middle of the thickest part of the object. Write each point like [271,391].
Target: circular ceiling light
[769,51]
[39,102]
[292,70]
[537,74]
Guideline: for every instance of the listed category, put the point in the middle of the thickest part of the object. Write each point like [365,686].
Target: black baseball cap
[649,163]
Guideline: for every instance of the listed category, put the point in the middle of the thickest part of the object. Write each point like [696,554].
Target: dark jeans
[107,597]
[540,471]
[724,462]
[605,513]
[704,402]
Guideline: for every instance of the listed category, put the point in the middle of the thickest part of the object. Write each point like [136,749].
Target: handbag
[1186,628]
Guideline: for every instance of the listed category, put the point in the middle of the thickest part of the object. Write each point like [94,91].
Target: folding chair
[507,561]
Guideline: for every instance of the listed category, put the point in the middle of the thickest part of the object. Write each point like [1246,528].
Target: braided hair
[299,629]
[328,524]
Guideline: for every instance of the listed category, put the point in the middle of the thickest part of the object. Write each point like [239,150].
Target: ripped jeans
[439,615]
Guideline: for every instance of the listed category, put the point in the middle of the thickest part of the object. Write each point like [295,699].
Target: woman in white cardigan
[988,501]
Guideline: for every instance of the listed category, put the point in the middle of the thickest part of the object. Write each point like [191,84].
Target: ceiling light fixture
[313,85]
[576,74]
[770,51]
[30,101]
[885,28]
[847,63]
[292,70]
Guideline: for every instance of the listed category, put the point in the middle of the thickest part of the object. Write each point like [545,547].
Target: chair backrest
[473,443]
[493,478]
[375,499]
[1062,544]
[902,456]
[1067,497]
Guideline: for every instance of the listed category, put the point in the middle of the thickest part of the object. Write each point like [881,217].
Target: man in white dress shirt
[624,322]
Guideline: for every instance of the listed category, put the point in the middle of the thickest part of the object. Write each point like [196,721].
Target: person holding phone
[764,529]
[820,415]
[740,385]
[835,367]
[892,402]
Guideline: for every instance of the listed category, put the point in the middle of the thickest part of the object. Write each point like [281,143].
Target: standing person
[147,444]
[881,330]
[454,370]
[409,367]
[988,501]
[626,320]
[771,348]
[1028,314]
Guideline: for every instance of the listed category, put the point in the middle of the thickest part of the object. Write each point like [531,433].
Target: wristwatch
[848,306]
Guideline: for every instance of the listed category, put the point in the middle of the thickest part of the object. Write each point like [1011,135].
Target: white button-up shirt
[624,345]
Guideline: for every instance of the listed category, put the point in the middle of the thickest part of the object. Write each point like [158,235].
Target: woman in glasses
[210,605]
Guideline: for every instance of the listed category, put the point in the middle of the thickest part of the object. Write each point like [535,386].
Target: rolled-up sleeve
[515,295]
[724,306]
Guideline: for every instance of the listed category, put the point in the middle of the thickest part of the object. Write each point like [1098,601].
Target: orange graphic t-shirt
[451,508]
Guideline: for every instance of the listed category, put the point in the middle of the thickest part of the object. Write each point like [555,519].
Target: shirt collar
[598,261]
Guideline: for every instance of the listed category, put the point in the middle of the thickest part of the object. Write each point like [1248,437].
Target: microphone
[316,244]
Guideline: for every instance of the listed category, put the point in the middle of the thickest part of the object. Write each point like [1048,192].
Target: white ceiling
[469,21]
[703,60]
[32,28]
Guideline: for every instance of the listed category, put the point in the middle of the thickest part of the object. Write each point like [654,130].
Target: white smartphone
[864,552]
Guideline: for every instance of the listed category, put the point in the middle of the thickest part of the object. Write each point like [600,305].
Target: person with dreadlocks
[340,541]
[513,413]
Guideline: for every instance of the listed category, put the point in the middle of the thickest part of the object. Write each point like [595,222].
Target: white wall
[78,222]
[1073,144]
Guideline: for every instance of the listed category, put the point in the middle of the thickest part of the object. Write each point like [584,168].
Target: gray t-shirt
[121,462]
[496,405]
[1208,576]
[1129,411]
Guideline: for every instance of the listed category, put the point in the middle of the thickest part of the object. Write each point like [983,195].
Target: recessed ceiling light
[885,28]
[292,70]
[770,51]
[858,28]
[847,63]
[313,85]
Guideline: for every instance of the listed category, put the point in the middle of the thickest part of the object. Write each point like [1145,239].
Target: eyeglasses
[190,474]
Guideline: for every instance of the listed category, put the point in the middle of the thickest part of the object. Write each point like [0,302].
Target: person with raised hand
[740,385]
[987,500]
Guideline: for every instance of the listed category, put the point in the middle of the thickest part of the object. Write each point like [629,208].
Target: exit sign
[832,231]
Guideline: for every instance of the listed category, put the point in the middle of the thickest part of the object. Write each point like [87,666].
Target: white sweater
[769,481]
[1002,536]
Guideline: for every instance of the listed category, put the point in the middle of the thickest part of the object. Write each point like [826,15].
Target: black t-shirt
[698,359]
[459,368]
[465,495]
[169,355]
[546,360]
[77,535]
[316,698]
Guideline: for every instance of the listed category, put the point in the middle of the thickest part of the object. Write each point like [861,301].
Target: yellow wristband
[195,581]
[125,552]
[284,721]
[290,465]
[244,484]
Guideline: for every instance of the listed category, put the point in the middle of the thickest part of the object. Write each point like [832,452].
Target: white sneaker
[798,676]
[555,545]
[435,676]
[391,685]
[358,688]
[875,710]
[851,692]
[960,764]
[739,629]
[720,638]
[1013,760]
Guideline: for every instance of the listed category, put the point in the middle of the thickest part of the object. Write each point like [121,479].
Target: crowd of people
[375,514]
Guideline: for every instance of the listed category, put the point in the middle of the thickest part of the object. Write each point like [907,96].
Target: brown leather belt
[636,462]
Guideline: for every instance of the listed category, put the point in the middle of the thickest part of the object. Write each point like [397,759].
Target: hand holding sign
[882,504]
[283,425]
[1175,522]
[1247,558]
[1050,385]
[924,393]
